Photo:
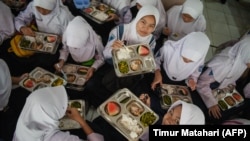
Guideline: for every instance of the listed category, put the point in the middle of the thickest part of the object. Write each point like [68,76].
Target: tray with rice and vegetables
[42,42]
[133,60]
[228,97]
[171,93]
[75,76]
[66,123]
[39,78]
[98,12]
[128,114]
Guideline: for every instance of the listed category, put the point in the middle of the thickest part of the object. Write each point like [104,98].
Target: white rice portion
[131,125]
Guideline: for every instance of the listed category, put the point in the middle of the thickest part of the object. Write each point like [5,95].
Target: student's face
[145,25]
[187,18]
[173,116]
[42,10]
[186,60]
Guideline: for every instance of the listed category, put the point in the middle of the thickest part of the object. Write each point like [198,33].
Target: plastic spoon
[64,75]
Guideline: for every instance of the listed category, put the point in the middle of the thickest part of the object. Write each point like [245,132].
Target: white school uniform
[40,116]
[129,34]
[194,46]
[55,22]
[7,28]
[82,43]
[176,24]
[123,7]
[5,84]
[230,64]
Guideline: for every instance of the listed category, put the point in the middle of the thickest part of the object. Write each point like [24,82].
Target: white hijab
[158,4]
[130,32]
[178,26]
[193,7]
[56,21]
[81,39]
[5,84]
[7,28]
[230,64]
[190,113]
[194,46]
[118,4]
[40,116]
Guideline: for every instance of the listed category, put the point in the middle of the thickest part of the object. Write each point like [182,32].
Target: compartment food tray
[228,98]
[66,123]
[98,12]
[75,76]
[133,60]
[128,114]
[39,78]
[171,93]
[42,42]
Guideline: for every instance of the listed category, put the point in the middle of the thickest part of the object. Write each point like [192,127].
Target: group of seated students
[176,38]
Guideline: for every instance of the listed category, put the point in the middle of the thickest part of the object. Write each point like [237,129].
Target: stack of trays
[125,112]
[40,78]
[66,123]
[98,12]
[75,76]
[172,93]
[228,98]
[42,42]
[133,60]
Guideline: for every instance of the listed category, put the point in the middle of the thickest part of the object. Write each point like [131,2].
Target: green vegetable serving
[147,119]
[123,67]
[25,43]
[76,104]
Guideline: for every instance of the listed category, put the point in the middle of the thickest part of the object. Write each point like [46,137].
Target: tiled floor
[224,22]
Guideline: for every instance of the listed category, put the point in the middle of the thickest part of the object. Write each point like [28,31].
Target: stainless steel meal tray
[171,93]
[75,76]
[128,114]
[133,60]
[39,78]
[98,12]
[228,98]
[66,123]
[42,42]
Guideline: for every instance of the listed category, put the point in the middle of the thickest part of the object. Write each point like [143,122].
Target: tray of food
[42,42]
[98,12]
[228,97]
[171,93]
[66,123]
[40,78]
[75,76]
[128,114]
[133,60]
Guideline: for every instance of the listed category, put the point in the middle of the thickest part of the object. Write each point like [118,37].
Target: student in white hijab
[7,28]
[181,113]
[51,16]
[83,44]
[6,81]
[225,68]
[39,119]
[133,34]
[181,60]
[123,14]
[158,4]
[184,19]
